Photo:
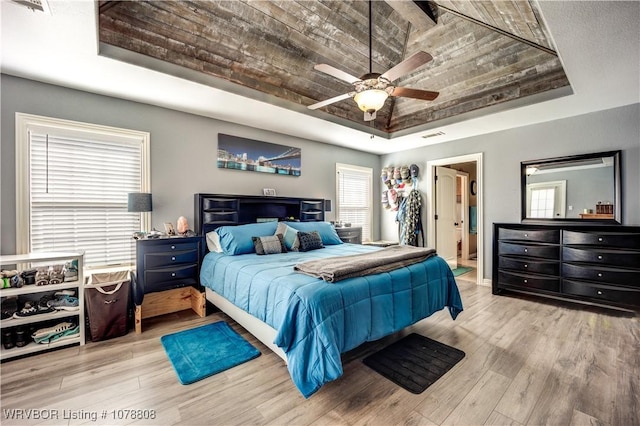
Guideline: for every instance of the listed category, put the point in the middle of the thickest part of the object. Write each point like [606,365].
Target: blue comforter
[316,321]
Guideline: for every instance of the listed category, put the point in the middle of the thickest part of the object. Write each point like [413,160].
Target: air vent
[35,5]
[432,135]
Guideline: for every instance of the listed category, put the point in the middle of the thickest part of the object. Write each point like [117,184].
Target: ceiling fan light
[371,99]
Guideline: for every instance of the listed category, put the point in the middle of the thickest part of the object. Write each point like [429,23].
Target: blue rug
[461,270]
[204,351]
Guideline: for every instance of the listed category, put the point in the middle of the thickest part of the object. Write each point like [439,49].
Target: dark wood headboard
[214,210]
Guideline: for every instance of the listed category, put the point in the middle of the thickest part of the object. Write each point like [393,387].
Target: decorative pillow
[213,242]
[239,239]
[289,235]
[269,245]
[309,241]
[326,230]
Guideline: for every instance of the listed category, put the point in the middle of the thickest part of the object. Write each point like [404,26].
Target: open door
[445,213]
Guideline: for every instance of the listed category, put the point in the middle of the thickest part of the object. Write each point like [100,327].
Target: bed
[307,321]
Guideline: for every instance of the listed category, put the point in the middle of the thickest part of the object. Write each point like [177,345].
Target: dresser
[351,234]
[583,263]
[167,277]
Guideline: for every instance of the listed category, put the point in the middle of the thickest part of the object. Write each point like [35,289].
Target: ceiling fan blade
[405,67]
[330,101]
[335,72]
[406,92]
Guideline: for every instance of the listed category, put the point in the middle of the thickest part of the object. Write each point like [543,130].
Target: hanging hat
[415,171]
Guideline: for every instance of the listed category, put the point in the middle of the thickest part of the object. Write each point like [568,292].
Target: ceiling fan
[372,89]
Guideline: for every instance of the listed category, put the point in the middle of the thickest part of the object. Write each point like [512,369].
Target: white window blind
[354,197]
[77,193]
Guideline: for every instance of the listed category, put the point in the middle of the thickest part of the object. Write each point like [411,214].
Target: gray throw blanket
[334,269]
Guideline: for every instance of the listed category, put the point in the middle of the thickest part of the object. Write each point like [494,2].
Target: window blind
[354,195]
[78,196]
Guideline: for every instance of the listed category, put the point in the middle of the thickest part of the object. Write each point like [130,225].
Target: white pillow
[213,242]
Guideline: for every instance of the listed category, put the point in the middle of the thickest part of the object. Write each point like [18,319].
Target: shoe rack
[23,262]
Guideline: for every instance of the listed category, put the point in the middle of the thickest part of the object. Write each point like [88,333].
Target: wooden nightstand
[351,235]
[168,278]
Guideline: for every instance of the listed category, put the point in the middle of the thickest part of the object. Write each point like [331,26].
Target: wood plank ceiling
[485,52]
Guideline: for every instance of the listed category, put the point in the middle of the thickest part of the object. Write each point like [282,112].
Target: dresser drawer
[350,235]
[529,265]
[603,239]
[620,295]
[178,257]
[524,281]
[530,250]
[165,278]
[537,235]
[626,258]
[604,274]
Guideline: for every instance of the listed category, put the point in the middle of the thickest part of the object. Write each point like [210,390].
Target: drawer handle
[599,292]
[526,266]
[525,281]
[600,239]
[526,235]
[173,274]
[599,257]
[173,258]
[600,274]
[173,247]
[526,250]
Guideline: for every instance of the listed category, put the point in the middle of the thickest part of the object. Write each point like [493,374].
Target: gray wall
[183,152]
[503,151]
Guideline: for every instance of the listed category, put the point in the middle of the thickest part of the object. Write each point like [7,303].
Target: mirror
[578,188]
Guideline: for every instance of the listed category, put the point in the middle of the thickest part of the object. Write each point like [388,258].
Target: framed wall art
[238,153]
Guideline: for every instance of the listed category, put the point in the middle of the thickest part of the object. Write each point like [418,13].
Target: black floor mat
[414,362]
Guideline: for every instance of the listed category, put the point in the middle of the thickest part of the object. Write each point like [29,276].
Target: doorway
[469,173]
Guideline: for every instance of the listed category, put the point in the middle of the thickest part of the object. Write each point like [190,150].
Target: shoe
[56,275]
[8,339]
[29,276]
[66,292]
[44,335]
[21,337]
[42,276]
[66,335]
[70,272]
[65,303]
[9,307]
[31,308]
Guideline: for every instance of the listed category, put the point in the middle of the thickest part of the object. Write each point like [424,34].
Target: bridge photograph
[238,153]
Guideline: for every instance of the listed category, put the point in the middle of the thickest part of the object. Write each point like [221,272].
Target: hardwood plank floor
[528,361]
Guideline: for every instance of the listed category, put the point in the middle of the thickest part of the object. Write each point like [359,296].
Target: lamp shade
[371,99]
[139,202]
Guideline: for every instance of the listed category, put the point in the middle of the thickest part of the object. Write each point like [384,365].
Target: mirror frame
[617,212]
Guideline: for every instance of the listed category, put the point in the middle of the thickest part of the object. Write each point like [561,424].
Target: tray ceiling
[486,53]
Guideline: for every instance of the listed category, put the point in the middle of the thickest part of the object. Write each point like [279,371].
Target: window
[72,185]
[354,194]
[546,200]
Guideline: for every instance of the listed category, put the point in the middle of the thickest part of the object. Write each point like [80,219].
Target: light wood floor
[527,362]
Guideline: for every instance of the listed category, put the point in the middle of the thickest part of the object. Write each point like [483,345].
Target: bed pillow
[213,242]
[239,239]
[269,245]
[289,235]
[309,241]
[325,229]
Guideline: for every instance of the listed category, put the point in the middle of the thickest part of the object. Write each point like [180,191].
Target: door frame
[431,222]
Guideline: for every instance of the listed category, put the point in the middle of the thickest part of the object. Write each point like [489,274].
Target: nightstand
[351,234]
[167,277]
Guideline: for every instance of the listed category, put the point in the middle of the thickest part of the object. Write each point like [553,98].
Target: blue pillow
[239,239]
[326,230]
[289,235]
